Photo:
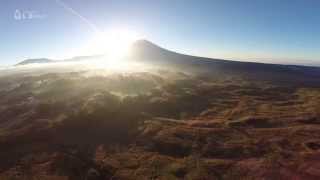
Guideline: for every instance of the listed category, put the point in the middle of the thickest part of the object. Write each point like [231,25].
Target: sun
[114,43]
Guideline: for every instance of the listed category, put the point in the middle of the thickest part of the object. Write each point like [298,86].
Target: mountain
[147,52]
[144,50]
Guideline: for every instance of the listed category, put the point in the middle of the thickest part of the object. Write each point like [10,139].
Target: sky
[269,31]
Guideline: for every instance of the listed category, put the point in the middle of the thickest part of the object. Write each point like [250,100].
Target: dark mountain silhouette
[148,52]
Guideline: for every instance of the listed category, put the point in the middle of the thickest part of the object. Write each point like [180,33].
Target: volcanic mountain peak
[145,47]
[143,43]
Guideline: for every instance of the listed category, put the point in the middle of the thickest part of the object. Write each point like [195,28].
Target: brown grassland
[160,125]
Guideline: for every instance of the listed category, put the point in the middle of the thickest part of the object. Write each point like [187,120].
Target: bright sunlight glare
[114,43]
[112,46]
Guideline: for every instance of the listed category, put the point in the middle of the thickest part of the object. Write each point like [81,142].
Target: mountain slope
[150,53]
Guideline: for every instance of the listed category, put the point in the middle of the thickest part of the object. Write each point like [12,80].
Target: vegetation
[160,125]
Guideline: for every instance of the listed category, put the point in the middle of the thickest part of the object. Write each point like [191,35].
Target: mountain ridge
[142,45]
[147,52]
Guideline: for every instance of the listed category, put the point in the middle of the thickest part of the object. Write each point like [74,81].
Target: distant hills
[33,61]
[46,60]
